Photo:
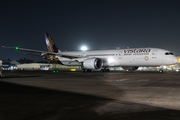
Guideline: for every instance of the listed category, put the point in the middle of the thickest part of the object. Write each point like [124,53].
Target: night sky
[98,24]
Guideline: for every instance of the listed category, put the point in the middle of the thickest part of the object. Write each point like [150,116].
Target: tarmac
[44,95]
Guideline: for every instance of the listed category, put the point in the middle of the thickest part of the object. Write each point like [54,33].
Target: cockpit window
[166,53]
[169,53]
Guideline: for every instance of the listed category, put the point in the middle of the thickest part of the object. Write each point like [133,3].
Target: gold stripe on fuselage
[51,44]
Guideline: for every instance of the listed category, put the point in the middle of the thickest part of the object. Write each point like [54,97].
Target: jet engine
[93,63]
[130,68]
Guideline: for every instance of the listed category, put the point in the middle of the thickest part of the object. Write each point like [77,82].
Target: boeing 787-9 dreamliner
[128,59]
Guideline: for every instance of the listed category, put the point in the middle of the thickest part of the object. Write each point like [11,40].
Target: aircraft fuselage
[124,57]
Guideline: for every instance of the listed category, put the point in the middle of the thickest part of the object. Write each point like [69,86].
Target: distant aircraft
[128,59]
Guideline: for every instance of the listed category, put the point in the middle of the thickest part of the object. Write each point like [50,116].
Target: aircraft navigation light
[83,48]
[110,60]
[17,48]
[164,67]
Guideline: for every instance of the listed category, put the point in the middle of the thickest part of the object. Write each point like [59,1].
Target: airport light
[72,69]
[17,48]
[83,48]
[55,71]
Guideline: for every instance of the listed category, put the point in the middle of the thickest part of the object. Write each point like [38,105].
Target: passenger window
[166,53]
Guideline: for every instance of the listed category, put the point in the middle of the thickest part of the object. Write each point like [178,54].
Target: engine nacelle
[130,68]
[93,63]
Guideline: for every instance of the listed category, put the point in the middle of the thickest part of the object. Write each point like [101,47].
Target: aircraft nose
[175,60]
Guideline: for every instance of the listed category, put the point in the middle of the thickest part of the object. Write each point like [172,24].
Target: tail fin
[15,62]
[51,46]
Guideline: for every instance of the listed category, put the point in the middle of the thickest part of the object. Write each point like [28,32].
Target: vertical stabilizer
[15,62]
[51,46]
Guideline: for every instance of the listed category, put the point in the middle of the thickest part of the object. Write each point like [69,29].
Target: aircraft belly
[71,63]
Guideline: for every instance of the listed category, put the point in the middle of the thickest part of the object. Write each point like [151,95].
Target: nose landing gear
[160,71]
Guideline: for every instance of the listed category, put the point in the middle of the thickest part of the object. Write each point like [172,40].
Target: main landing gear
[160,71]
[105,70]
[86,70]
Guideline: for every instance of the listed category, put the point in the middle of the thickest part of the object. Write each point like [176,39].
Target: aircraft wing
[23,49]
[47,53]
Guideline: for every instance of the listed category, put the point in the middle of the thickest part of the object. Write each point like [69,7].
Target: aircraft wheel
[88,70]
[160,71]
[105,70]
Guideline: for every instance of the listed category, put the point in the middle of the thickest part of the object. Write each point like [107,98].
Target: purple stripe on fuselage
[55,48]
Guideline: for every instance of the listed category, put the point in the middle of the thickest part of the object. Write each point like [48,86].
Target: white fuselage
[124,57]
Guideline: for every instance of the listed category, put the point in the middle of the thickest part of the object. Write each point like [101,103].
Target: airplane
[128,59]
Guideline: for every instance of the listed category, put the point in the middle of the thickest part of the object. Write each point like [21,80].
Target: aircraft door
[120,54]
[154,53]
